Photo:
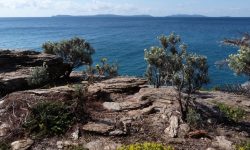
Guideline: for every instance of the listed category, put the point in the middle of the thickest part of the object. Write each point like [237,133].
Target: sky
[44,8]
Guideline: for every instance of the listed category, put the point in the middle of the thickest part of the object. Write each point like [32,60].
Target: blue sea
[123,39]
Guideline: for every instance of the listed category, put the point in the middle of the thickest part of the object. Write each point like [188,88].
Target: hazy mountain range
[113,15]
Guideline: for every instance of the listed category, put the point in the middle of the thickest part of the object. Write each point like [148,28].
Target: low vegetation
[80,96]
[100,71]
[4,146]
[49,119]
[146,146]
[243,146]
[39,76]
[232,113]
[194,118]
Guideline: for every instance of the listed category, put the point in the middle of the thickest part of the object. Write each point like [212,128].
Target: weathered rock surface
[172,130]
[16,67]
[127,105]
[117,85]
[223,143]
[99,128]
[144,98]
[4,129]
[183,130]
[102,145]
[22,144]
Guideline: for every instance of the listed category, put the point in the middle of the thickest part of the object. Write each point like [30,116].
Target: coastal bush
[106,69]
[79,91]
[170,64]
[80,96]
[232,113]
[243,146]
[193,118]
[146,146]
[49,119]
[240,62]
[102,70]
[39,76]
[76,52]
[4,146]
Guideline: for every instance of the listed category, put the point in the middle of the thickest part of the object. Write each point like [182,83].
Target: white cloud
[68,6]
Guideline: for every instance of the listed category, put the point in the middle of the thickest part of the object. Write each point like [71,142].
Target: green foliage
[240,62]
[243,146]
[146,146]
[105,69]
[232,113]
[39,76]
[80,95]
[76,51]
[163,61]
[170,64]
[102,70]
[193,118]
[79,91]
[4,146]
[49,119]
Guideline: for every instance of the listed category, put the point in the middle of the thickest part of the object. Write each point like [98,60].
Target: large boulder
[16,67]
[22,144]
[172,130]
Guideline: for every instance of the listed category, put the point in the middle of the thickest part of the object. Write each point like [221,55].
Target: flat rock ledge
[99,128]
[16,67]
[117,85]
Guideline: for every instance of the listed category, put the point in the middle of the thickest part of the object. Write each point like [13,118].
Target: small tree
[169,65]
[162,61]
[240,62]
[76,52]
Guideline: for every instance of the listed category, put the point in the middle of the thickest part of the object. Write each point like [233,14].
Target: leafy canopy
[76,51]
[171,64]
[240,62]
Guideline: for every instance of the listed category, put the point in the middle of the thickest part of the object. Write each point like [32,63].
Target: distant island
[104,15]
[186,15]
[114,15]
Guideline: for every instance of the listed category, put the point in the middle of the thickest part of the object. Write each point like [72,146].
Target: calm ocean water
[124,39]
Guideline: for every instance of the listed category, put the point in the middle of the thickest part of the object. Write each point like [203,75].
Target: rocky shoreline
[120,110]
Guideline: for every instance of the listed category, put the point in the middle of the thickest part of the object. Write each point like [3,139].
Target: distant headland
[104,15]
[114,15]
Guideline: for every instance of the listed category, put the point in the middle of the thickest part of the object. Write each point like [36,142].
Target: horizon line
[135,15]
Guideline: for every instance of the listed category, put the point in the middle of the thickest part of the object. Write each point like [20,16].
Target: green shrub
[79,91]
[240,62]
[193,118]
[4,146]
[232,113]
[80,95]
[243,146]
[76,52]
[49,119]
[171,64]
[146,146]
[107,70]
[39,76]
[102,70]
